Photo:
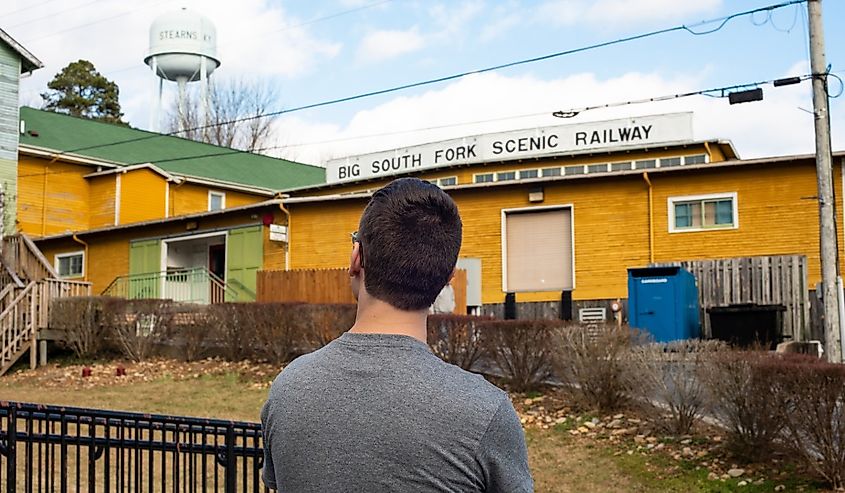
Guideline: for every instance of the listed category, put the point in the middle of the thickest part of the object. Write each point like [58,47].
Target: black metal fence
[64,449]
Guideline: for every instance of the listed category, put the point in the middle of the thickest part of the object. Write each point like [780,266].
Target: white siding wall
[10,69]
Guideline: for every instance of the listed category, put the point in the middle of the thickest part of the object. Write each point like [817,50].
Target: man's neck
[377,317]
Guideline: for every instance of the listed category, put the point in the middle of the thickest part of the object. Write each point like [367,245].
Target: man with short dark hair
[375,410]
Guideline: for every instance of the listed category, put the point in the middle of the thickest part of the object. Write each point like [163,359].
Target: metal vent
[592,315]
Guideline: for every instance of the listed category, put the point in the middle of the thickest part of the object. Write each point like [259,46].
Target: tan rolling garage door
[538,250]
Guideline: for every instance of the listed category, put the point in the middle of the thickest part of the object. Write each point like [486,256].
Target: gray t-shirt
[377,412]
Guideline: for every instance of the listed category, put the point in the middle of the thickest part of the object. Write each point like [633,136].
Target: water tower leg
[204,97]
[182,82]
[154,116]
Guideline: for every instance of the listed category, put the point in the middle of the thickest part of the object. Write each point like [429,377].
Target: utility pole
[824,172]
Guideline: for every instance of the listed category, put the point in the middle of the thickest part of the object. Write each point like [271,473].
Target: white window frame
[685,163]
[475,175]
[440,181]
[613,163]
[222,196]
[671,201]
[558,168]
[504,236]
[58,256]
[515,175]
[519,174]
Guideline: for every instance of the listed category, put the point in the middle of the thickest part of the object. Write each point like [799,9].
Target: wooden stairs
[29,285]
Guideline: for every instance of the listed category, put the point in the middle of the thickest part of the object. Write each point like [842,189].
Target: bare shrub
[815,413]
[137,325]
[191,329]
[81,320]
[280,330]
[456,339]
[234,332]
[326,322]
[521,349]
[671,375]
[744,393]
[595,364]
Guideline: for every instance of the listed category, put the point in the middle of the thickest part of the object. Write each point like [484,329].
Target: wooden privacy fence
[771,280]
[327,286]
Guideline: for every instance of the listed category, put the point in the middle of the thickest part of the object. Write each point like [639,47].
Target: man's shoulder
[454,376]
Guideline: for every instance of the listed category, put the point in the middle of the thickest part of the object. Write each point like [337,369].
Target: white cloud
[774,126]
[613,13]
[382,45]
[453,20]
[258,38]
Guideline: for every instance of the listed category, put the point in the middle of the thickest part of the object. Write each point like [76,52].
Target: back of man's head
[410,236]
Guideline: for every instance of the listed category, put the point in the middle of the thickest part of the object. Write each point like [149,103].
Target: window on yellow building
[528,173]
[697,213]
[484,178]
[448,181]
[216,201]
[669,162]
[695,159]
[506,176]
[70,264]
[597,168]
[551,172]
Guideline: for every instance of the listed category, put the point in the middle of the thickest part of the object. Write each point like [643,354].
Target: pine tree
[80,90]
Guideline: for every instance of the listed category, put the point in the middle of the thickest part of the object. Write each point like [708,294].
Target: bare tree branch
[229,100]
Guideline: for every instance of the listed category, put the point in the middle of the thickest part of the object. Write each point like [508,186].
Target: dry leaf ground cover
[569,451]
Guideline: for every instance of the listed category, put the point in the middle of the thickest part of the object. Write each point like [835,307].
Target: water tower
[183,48]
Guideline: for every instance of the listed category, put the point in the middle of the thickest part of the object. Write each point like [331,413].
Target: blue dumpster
[664,302]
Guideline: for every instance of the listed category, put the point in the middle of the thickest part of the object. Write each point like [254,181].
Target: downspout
[650,218]
[44,202]
[709,152]
[281,198]
[87,262]
[172,198]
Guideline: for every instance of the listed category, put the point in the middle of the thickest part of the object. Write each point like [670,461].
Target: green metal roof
[127,146]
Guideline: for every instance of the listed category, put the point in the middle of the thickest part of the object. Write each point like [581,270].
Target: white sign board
[517,144]
[278,232]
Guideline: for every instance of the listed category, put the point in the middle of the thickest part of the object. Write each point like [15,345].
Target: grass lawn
[560,462]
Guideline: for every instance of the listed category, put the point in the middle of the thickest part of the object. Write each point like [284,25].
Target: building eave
[593,152]
[126,169]
[229,185]
[44,152]
[157,222]
[734,163]
[29,62]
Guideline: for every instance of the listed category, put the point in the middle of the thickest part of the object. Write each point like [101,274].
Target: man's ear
[355,261]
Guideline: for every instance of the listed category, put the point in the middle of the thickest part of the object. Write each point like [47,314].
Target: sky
[321,50]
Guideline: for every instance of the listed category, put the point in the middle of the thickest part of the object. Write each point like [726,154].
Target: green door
[244,258]
[144,269]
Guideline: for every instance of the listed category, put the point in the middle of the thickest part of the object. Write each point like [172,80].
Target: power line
[229,152]
[713,92]
[286,27]
[54,14]
[74,28]
[722,22]
[28,7]
[718,92]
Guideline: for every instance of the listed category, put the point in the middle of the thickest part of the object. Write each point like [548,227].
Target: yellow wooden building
[144,214]
[564,209]
[574,220]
